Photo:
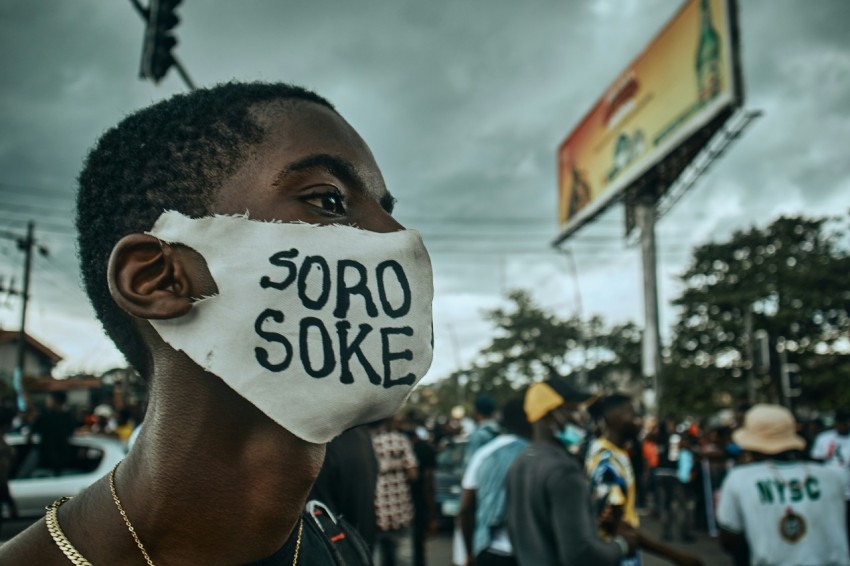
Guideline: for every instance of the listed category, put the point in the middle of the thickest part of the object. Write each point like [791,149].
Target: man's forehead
[298,129]
[305,122]
[298,134]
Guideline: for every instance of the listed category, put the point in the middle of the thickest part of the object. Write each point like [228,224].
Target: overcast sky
[463,103]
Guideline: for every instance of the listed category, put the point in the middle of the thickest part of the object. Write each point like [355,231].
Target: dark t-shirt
[549,509]
[346,483]
[314,549]
[55,428]
[427,458]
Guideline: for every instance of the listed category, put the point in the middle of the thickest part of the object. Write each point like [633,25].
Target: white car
[92,458]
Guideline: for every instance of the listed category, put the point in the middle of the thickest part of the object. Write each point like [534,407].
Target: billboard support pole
[651,358]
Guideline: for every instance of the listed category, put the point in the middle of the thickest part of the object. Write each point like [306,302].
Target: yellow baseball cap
[543,397]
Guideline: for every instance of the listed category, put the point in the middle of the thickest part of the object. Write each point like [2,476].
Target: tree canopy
[789,279]
[530,343]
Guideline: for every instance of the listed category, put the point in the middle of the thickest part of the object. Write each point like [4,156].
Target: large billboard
[675,94]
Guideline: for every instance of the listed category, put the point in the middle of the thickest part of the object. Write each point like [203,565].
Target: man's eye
[330,201]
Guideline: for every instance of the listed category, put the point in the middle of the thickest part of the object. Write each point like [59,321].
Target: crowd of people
[558,476]
[569,483]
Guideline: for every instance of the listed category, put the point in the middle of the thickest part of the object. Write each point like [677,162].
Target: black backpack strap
[342,540]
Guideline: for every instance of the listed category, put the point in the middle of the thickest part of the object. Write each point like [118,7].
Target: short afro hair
[514,419]
[608,404]
[485,405]
[173,155]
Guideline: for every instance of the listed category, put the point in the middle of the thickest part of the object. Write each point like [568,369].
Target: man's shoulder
[599,450]
[391,438]
[486,430]
[543,461]
[827,473]
[495,450]
[826,435]
[742,472]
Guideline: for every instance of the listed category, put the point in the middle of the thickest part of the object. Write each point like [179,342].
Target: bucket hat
[768,429]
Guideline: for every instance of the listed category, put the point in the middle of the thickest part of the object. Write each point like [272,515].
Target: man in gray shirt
[549,513]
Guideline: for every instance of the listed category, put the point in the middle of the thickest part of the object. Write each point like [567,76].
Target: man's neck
[616,438]
[542,434]
[211,478]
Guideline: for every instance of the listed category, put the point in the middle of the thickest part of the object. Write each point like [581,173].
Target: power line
[601,254]
[68,271]
[25,189]
[42,226]
[52,279]
[62,213]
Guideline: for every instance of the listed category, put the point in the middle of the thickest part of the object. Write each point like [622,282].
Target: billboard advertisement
[678,86]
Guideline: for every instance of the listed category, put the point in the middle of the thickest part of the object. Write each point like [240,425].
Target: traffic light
[159,41]
[791,382]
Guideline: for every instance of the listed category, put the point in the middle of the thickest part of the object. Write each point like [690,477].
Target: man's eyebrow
[336,166]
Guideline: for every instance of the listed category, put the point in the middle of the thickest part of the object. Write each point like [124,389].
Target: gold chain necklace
[77,559]
[58,536]
[124,515]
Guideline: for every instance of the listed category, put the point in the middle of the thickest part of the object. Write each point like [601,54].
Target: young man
[55,426]
[486,428]
[780,509]
[482,506]
[422,488]
[612,479]
[397,468]
[832,447]
[262,337]
[549,514]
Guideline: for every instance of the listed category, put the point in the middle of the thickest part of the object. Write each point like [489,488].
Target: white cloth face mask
[321,327]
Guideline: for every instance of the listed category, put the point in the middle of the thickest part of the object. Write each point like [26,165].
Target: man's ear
[150,279]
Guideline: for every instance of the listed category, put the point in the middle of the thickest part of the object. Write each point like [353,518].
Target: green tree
[530,343]
[790,279]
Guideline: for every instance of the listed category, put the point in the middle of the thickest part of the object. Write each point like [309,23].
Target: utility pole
[651,358]
[26,245]
[461,389]
[18,381]
[582,372]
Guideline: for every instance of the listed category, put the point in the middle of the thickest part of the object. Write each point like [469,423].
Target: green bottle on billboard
[708,56]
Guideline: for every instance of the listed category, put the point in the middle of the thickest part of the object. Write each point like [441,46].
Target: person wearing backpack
[486,427]
[482,507]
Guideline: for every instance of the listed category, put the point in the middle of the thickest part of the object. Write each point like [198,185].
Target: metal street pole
[461,389]
[651,359]
[582,372]
[751,370]
[27,246]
